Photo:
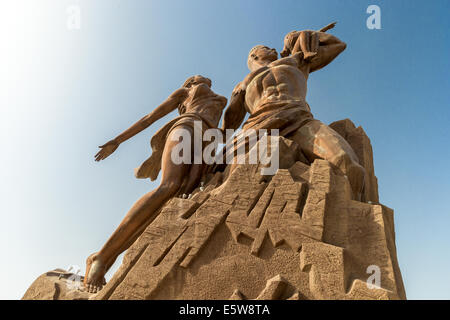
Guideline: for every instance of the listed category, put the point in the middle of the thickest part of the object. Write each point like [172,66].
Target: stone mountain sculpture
[312,230]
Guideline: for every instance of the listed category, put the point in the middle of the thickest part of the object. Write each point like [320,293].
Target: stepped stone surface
[57,285]
[294,235]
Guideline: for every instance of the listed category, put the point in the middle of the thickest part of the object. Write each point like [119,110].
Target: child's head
[289,42]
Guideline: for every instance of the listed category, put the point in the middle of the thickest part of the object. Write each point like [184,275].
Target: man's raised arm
[329,48]
[235,112]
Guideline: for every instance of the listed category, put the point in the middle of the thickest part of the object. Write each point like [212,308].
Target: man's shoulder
[295,60]
[244,83]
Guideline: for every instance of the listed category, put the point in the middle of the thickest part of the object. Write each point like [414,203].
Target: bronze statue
[274,94]
[195,102]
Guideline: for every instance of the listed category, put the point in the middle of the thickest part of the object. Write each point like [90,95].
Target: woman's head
[189,83]
[196,80]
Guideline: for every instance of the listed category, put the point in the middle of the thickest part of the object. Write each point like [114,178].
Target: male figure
[274,94]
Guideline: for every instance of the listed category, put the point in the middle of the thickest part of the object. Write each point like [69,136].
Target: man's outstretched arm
[329,48]
[163,109]
[235,112]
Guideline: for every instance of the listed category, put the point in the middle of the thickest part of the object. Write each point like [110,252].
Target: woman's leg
[141,212]
[193,180]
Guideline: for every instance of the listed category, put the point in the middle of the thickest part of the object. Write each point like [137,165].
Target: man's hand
[106,150]
[235,112]
[328,27]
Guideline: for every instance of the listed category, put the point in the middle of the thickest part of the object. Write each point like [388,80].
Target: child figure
[306,42]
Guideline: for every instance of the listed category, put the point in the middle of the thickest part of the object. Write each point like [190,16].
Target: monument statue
[312,229]
[195,102]
[274,94]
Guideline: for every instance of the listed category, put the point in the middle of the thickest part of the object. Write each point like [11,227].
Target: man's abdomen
[278,84]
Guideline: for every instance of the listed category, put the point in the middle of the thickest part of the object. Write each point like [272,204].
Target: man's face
[261,56]
[266,53]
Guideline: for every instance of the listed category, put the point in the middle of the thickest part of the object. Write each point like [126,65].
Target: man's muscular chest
[274,77]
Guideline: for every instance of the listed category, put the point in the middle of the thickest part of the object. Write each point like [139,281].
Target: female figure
[195,102]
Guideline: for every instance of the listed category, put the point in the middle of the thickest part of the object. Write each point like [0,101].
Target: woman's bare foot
[95,272]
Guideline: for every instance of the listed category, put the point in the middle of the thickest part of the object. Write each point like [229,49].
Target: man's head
[196,80]
[260,56]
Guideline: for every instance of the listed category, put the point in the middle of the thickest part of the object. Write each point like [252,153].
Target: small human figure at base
[304,41]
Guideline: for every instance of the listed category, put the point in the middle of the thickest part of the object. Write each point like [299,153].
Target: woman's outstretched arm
[163,109]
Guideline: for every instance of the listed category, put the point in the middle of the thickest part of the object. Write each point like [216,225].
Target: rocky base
[57,285]
[294,235]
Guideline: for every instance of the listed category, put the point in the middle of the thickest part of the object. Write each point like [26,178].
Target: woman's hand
[106,150]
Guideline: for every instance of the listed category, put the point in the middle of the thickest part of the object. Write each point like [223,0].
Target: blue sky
[64,92]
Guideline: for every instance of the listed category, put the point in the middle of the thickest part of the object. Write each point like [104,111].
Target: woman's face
[199,80]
